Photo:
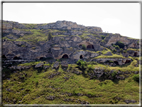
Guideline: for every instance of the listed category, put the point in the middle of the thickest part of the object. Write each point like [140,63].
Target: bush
[121,50]
[136,77]
[82,65]
[114,50]
[120,44]
[103,37]
[117,47]
[90,67]
[83,47]
[114,74]
[124,51]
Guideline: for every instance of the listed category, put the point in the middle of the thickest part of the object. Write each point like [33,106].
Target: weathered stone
[50,97]
[56,65]
[46,66]
[130,101]
[64,64]
[39,65]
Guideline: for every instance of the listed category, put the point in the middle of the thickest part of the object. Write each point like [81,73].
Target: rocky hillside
[67,63]
[68,39]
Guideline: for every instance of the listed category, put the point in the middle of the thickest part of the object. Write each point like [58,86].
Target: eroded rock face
[69,46]
[114,61]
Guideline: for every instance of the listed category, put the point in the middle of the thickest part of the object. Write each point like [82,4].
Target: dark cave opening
[16,58]
[135,54]
[90,47]
[81,57]
[42,58]
[4,57]
[127,61]
[116,62]
[65,56]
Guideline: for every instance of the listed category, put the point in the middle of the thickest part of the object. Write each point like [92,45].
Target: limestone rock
[56,65]
[39,65]
[64,64]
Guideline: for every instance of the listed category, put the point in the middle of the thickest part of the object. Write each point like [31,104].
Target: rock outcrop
[69,41]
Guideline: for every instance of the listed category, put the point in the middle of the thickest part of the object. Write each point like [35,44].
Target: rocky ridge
[69,41]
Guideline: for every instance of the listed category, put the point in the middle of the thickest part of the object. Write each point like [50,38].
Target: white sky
[123,18]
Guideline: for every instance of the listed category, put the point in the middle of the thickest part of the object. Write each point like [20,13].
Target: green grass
[37,86]
[35,37]
[113,56]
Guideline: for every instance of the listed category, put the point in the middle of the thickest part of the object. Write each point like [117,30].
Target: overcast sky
[123,18]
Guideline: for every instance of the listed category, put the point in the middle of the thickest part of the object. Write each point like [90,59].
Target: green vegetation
[120,44]
[31,87]
[136,77]
[113,56]
[83,47]
[103,36]
[35,36]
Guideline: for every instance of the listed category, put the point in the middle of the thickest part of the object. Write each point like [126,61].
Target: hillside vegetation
[67,63]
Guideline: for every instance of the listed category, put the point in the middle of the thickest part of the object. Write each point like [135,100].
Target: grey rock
[56,65]
[39,65]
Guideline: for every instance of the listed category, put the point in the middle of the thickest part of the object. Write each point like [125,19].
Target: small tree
[136,77]
[82,65]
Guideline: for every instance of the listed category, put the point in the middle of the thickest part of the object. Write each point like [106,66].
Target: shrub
[103,37]
[120,44]
[114,74]
[124,51]
[82,65]
[121,50]
[36,83]
[117,47]
[136,77]
[83,47]
[114,50]
[90,67]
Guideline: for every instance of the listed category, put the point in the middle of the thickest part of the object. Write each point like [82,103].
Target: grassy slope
[37,86]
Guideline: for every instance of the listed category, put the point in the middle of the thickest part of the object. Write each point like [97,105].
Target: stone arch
[81,56]
[65,56]
[90,47]
[16,58]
